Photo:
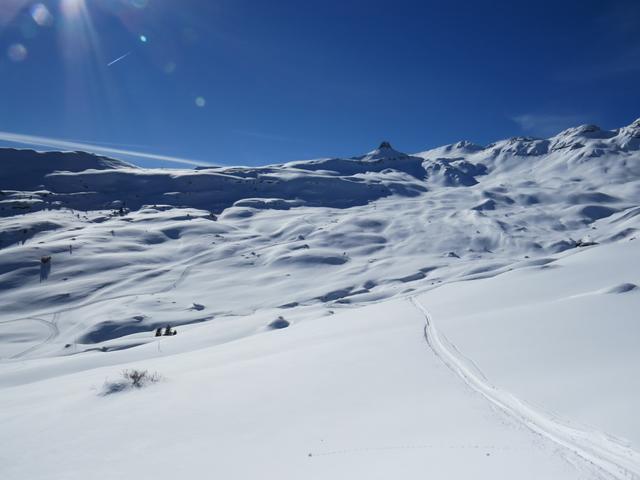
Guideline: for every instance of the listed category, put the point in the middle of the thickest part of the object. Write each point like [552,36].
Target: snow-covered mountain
[303,294]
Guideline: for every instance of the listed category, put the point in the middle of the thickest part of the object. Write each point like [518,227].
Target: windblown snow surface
[465,312]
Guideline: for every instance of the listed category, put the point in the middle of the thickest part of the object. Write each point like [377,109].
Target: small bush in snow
[131,379]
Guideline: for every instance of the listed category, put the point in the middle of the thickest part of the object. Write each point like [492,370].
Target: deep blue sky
[285,80]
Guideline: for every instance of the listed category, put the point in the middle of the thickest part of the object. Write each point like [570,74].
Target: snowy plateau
[467,312]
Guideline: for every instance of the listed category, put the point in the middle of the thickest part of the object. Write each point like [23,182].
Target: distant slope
[27,169]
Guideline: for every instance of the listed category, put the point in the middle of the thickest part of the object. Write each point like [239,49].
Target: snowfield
[465,312]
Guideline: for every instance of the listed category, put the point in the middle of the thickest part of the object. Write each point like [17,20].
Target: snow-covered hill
[299,351]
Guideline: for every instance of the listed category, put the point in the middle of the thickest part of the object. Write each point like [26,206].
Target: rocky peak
[384,152]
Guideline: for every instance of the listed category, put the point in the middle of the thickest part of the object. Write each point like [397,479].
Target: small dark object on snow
[585,244]
[168,332]
[45,268]
[158,332]
[279,323]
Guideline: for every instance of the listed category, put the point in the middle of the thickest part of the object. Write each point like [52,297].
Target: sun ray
[72,8]
[88,89]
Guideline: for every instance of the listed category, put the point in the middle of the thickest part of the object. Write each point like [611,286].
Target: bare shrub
[131,379]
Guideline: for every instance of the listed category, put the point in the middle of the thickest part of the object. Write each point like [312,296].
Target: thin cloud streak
[118,59]
[546,125]
[68,145]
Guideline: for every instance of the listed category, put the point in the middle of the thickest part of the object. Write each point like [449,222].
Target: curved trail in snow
[618,461]
[53,333]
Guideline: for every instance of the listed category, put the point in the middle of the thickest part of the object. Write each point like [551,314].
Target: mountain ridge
[542,246]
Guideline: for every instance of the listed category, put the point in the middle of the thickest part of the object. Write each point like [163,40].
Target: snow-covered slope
[28,169]
[577,317]
[357,395]
[290,286]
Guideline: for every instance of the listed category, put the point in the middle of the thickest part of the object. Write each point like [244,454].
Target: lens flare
[90,86]
[41,15]
[17,52]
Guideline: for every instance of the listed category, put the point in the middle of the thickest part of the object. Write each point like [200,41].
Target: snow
[359,393]
[464,312]
[577,316]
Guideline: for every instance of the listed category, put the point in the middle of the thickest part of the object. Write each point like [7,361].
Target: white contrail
[118,59]
[67,145]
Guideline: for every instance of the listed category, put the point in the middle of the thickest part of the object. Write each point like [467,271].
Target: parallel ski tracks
[610,457]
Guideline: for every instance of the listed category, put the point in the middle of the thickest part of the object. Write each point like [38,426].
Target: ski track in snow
[54,332]
[488,448]
[617,461]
